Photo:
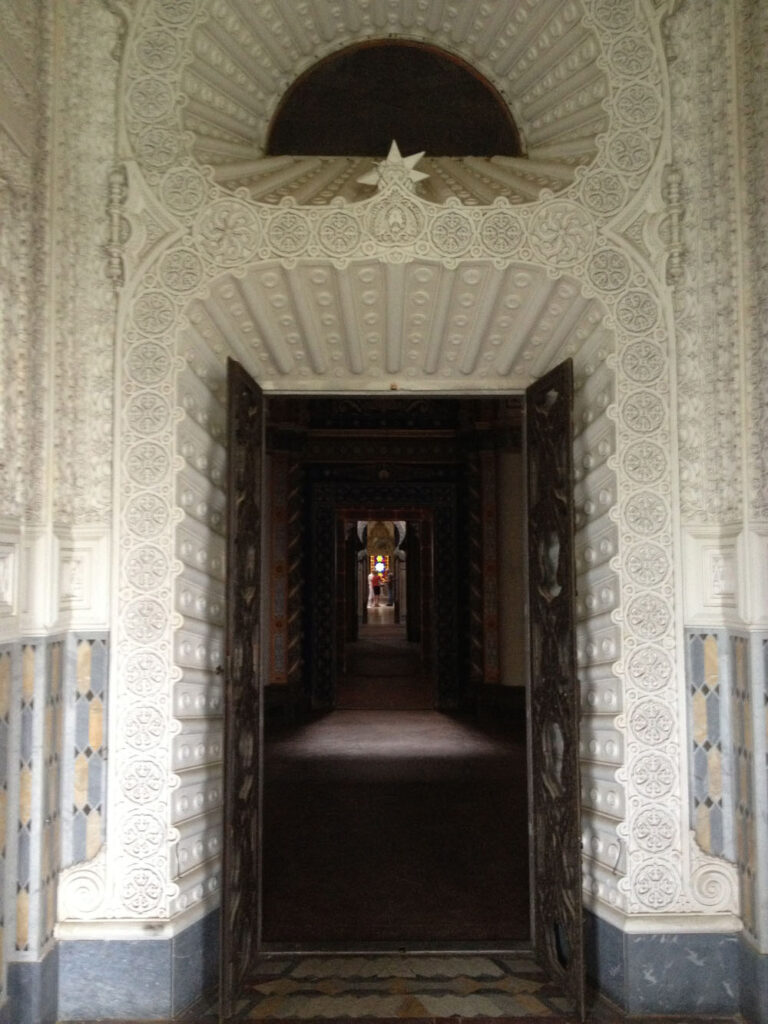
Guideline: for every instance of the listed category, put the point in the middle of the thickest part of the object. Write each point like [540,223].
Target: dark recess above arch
[355,102]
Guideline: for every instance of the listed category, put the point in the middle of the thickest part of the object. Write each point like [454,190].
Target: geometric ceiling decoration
[317,326]
[538,55]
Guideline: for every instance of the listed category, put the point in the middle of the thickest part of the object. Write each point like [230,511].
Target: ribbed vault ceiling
[537,53]
[374,324]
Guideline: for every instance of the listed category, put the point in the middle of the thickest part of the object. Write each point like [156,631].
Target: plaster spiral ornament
[604,192]
[288,233]
[154,313]
[656,885]
[637,104]
[645,462]
[561,233]
[147,413]
[145,673]
[643,362]
[339,233]
[145,620]
[228,232]
[637,312]
[646,513]
[653,774]
[150,99]
[715,884]
[630,152]
[609,270]
[451,233]
[142,890]
[81,890]
[501,233]
[649,616]
[142,781]
[146,515]
[651,722]
[650,668]
[643,412]
[632,56]
[143,834]
[183,190]
[147,463]
[647,564]
[654,830]
[146,567]
[614,15]
[181,270]
[148,363]
[157,49]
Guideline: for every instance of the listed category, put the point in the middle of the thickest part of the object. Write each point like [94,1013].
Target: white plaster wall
[625,221]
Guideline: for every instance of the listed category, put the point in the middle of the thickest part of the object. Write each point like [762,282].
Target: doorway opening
[395,783]
[344,462]
[384,665]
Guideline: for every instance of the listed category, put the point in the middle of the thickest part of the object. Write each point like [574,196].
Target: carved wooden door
[242,727]
[554,696]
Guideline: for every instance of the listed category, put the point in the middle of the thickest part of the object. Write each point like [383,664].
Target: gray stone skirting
[152,979]
[146,979]
[697,973]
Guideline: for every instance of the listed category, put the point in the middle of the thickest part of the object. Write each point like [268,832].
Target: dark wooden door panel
[242,726]
[554,699]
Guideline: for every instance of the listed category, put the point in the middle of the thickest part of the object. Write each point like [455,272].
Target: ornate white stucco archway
[287,287]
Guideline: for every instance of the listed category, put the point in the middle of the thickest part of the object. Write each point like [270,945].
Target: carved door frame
[553,685]
[556,915]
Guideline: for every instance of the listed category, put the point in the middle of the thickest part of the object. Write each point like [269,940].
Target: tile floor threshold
[499,987]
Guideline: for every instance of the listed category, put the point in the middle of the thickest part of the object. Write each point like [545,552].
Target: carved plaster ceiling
[473,326]
[539,54]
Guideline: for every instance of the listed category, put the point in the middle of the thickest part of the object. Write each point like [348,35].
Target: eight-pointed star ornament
[395,170]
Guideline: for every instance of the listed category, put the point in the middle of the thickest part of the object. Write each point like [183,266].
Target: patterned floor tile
[428,987]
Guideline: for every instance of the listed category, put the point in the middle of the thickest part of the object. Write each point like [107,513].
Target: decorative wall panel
[84,766]
[82,301]
[751,69]
[709,358]
[23,70]
[743,752]
[712,779]
[6,768]
[390,292]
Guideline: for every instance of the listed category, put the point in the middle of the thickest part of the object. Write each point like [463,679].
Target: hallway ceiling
[315,326]
[537,53]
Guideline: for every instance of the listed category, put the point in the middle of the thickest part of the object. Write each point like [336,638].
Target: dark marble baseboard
[32,991]
[699,973]
[146,979]
[753,979]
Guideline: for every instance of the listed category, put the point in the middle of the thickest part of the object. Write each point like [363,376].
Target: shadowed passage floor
[405,827]
[383,669]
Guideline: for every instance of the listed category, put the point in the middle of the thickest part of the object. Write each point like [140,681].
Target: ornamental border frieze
[567,234]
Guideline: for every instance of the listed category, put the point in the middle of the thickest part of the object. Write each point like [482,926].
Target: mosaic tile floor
[419,989]
[414,988]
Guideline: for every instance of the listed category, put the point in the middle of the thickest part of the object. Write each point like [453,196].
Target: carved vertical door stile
[340,592]
[475,583]
[351,575]
[554,686]
[242,703]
